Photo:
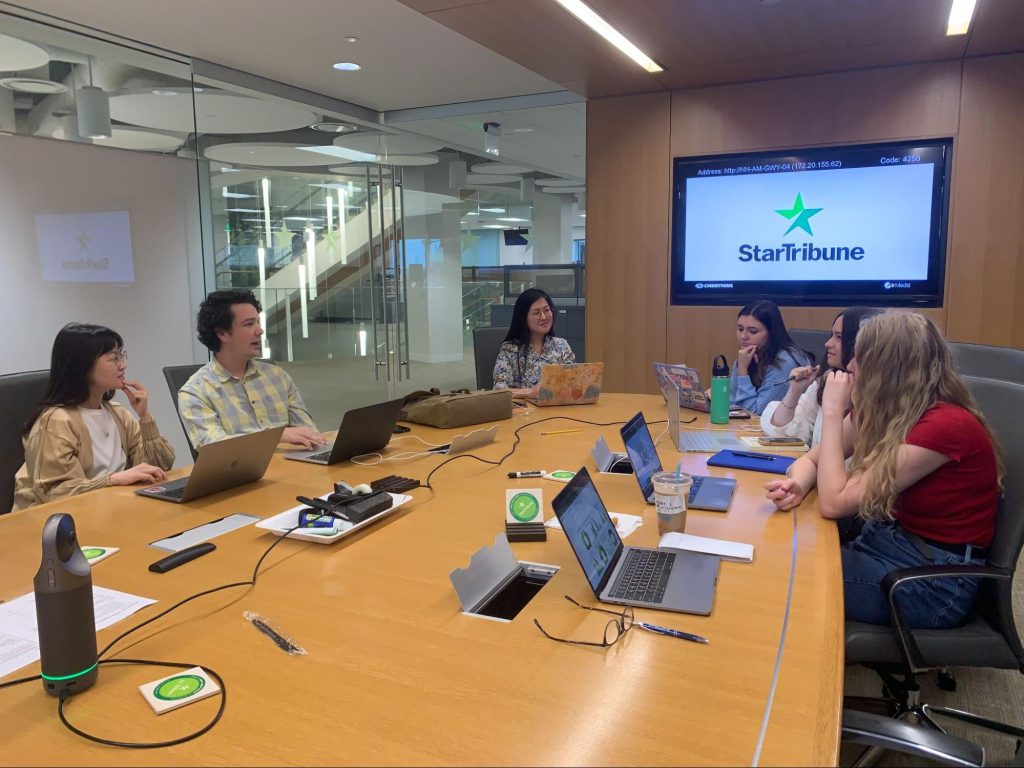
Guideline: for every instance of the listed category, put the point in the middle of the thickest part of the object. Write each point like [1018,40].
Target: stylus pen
[671,632]
[753,455]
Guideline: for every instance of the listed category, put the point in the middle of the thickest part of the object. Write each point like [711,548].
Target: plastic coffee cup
[671,491]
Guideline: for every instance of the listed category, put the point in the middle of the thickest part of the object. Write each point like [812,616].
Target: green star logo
[83,241]
[798,215]
[284,238]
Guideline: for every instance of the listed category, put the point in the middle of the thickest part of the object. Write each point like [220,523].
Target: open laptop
[219,466]
[713,493]
[669,580]
[571,384]
[688,386]
[696,440]
[362,430]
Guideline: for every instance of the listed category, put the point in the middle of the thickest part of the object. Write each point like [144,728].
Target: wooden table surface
[395,674]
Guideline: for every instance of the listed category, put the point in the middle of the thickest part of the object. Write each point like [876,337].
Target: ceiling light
[494,226]
[225,193]
[960,14]
[162,92]
[346,154]
[586,14]
[329,127]
[493,210]
[522,130]
[32,85]
[243,210]
[351,39]
[510,218]
[93,108]
[347,66]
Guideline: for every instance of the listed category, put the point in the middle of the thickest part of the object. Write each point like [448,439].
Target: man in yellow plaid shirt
[235,393]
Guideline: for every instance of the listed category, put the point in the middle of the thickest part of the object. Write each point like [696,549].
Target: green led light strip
[68,677]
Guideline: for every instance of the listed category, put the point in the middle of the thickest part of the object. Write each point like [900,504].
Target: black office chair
[989,636]
[486,342]
[20,393]
[811,340]
[982,360]
[176,376]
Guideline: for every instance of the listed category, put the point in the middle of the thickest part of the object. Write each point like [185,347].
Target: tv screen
[515,236]
[833,226]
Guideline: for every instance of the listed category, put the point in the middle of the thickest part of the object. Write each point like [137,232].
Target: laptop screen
[589,528]
[642,454]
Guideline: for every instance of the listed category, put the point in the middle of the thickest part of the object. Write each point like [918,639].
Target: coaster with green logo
[95,554]
[524,505]
[179,689]
[560,475]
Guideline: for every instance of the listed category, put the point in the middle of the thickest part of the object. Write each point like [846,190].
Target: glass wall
[374,248]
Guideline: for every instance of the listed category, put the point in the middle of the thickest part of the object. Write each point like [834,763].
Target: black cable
[515,444]
[151,744]
[251,582]
[19,681]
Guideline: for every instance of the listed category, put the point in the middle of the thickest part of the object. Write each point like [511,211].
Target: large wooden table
[395,674]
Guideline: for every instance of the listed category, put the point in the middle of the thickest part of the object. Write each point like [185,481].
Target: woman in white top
[798,414]
[77,440]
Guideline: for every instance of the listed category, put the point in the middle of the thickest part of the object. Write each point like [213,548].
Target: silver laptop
[696,440]
[669,580]
[712,493]
[362,430]
[219,466]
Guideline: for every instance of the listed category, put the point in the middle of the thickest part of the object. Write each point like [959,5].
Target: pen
[753,455]
[530,473]
[561,431]
[671,632]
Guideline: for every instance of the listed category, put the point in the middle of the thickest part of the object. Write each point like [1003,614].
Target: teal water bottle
[720,390]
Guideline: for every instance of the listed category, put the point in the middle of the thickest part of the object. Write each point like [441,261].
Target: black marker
[761,456]
[529,473]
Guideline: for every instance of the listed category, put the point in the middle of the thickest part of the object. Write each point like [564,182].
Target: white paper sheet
[19,637]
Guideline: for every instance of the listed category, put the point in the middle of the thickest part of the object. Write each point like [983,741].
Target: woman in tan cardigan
[78,440]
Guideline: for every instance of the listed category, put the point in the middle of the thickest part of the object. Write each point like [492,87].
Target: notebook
[758,462]
[712,493]
[362,430]
[571,384]
[219,466]
[663,579]
[695,440]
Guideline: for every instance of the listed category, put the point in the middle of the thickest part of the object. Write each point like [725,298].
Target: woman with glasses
[530,344]
[78,440]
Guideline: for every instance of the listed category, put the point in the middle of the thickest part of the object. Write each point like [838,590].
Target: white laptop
[696,440]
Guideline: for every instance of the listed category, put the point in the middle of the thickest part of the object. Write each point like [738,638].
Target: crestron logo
[798,215]
[698,286]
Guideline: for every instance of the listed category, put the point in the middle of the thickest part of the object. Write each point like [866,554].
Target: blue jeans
[924,603]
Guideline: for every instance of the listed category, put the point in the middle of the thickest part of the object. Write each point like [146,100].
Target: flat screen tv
[833,226]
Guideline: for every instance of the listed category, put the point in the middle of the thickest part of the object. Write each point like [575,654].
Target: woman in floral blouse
[530,345]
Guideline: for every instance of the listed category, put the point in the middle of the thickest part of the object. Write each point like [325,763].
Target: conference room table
[395,674]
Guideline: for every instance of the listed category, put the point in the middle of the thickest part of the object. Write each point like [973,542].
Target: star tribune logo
[798,215]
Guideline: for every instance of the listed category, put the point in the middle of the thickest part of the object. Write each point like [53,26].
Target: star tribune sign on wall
[85,247]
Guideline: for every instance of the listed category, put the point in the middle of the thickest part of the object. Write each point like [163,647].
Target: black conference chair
[176,376]
[486,342]
[20,393]
[811,340]
[989,637]
[982,360]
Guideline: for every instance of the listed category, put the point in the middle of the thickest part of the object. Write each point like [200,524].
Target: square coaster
[95,554]
[524,505]
[178,690]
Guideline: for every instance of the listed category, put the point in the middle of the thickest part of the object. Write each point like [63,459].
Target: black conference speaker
[64,612]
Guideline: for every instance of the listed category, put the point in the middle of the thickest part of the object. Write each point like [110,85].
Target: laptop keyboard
[699,442]
[644,576]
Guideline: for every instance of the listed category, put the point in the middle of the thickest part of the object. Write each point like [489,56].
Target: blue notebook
[756,461]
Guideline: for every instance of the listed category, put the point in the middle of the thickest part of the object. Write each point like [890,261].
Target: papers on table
[727,550]
[19,638]
[624,524]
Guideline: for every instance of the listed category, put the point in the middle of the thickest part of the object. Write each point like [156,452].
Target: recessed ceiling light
[588,16]
[510,218]
[522,130]
[347,66]
[351,39]
[330,127]
[960,14]
[163,92]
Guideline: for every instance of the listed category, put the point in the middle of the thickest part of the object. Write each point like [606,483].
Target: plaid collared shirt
[214,404]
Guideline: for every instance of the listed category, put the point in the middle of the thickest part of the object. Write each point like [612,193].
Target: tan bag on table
[458,409]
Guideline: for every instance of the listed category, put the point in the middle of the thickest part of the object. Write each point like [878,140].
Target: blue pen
[671,632]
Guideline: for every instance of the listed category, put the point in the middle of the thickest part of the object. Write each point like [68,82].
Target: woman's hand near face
[838,396]
[744,357]
[801,379]
[138,397]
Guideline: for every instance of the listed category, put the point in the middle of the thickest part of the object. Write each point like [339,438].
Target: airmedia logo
[798,215]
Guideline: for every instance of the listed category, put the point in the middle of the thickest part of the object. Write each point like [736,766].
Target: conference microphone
[64,611]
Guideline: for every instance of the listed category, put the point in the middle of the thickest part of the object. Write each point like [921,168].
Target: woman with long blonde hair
[925,474]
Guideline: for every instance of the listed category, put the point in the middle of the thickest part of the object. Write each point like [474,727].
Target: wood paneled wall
[979,102]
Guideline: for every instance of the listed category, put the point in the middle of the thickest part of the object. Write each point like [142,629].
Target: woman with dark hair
[78,440]
[530,344]
[765,359]
[798,414]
